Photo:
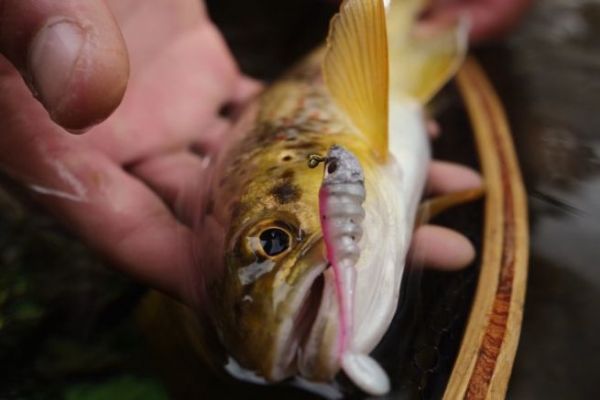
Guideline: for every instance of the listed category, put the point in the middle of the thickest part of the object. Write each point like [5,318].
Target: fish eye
[274,241]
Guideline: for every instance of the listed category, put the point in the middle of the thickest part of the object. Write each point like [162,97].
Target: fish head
[277,313]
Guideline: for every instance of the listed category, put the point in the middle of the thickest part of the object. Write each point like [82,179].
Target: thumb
[71,54]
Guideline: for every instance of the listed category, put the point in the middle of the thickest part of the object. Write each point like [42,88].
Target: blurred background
[67,328]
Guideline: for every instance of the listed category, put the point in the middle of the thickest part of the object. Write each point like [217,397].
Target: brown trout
[276,301]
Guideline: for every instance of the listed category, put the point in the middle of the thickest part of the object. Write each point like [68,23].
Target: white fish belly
[393,195]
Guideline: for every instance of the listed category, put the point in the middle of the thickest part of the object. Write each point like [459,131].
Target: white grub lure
[341,196]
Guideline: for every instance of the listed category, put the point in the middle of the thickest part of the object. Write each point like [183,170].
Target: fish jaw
[308,344]
[305,340]
[319,359]
[280,334]
[302,313]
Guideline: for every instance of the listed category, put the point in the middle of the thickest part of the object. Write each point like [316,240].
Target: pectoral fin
[431,208]
[355,69]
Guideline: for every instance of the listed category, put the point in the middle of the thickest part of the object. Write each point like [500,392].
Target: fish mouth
[308,338]
[306,317]
[308,342]
[312,346]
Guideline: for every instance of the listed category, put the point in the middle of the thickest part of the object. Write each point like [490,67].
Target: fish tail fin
[356,69]
[422,60]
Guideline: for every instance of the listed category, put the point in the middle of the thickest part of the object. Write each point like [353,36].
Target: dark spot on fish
[262,133]
[353,238]
[291,139]
[287,158]
[288,174]
[286,192]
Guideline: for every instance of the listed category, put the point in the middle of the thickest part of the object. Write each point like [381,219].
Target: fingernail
[52,58]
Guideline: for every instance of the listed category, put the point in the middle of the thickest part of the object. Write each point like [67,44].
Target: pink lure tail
[345,309]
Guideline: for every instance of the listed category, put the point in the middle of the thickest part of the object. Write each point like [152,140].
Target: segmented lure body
[341,197]
[341,212]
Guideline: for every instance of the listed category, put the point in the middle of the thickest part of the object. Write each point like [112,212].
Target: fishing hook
[315,159]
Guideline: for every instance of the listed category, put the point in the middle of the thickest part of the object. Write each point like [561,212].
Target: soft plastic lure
[341,196]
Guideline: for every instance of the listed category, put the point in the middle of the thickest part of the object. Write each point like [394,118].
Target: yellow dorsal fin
[422,60]
[355,69]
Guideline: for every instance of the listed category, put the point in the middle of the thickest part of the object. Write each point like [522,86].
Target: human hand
[489,18]
[116,185]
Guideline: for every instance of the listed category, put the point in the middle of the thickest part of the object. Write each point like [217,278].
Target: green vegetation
[66,321]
